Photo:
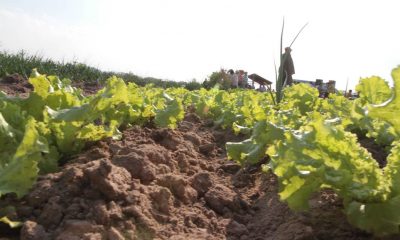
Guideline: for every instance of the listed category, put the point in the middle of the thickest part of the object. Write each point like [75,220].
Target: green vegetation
[56,120]
[311,142]
[23,63]
[311,145]
[219,78]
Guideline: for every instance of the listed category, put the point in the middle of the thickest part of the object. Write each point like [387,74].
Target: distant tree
[193,85]
[220,77]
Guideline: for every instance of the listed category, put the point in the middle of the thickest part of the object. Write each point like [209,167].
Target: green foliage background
[23,63]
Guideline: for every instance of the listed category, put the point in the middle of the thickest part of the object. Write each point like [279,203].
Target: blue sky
[186,39]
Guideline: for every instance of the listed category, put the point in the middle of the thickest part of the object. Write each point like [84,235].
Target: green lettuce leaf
[12,224]
[390,110]
[115,92]
[300,96]
[373,90]
[21,171]
[41,85]
[171,115]
[381,218]
[252,150]
[324,155]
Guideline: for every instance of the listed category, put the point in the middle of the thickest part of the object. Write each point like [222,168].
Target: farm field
[121,161]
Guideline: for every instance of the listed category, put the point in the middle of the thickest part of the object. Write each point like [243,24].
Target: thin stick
[269,88]
[283,26]
[347,83]
[279,80]
[298,34]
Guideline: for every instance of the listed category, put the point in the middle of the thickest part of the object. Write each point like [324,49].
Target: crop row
[311,142]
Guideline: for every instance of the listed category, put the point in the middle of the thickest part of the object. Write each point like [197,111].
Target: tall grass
[23,63]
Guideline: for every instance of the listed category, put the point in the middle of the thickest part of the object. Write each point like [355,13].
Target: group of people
[239,78]
[325,89]
[351,95]
[235,79]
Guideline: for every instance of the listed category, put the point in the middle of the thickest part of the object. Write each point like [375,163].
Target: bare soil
[378,152]
[15,84]
[89,88]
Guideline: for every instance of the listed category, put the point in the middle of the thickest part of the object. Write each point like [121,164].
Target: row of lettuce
[57,120]
[310,141]
[312,145]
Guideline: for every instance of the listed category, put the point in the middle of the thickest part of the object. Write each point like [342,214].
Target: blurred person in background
[234,78]
[288,67]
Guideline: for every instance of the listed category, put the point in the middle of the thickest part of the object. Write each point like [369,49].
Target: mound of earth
[168,184]
[89,88]
[15,84]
